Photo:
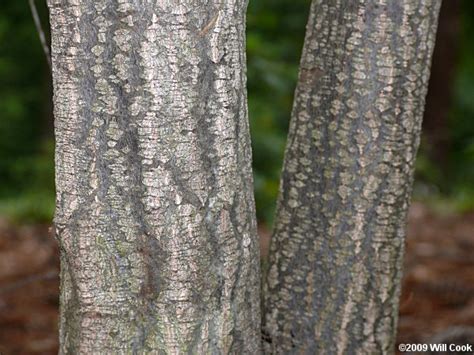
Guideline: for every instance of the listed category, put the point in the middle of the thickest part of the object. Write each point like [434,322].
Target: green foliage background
[274,42]
[451,187]
[26,147]
[458,179]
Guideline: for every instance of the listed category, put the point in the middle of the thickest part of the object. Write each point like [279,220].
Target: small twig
[209,25]
[39,28]
[27,280]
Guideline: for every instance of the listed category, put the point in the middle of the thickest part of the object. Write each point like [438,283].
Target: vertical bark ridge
[335,259]
[155,214]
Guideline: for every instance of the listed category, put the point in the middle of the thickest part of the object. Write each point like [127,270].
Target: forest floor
[437,302]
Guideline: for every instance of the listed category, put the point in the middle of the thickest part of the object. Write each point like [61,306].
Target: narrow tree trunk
[336,255]
[155,212]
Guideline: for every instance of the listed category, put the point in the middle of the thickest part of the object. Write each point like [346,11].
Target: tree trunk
[155,213]
[335,260]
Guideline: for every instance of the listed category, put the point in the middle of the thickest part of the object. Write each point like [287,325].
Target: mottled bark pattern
[155,213]
[335,260]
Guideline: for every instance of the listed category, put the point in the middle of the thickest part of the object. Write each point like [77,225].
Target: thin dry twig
[209,25]
[39,28]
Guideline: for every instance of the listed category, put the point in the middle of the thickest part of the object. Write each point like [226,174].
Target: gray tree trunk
[155,212]
[335,260]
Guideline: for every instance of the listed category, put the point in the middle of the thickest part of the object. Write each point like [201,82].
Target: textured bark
[155,213]
[335,260]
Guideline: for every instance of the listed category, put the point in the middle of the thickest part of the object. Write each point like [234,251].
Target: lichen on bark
[155,214]
[336,254]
